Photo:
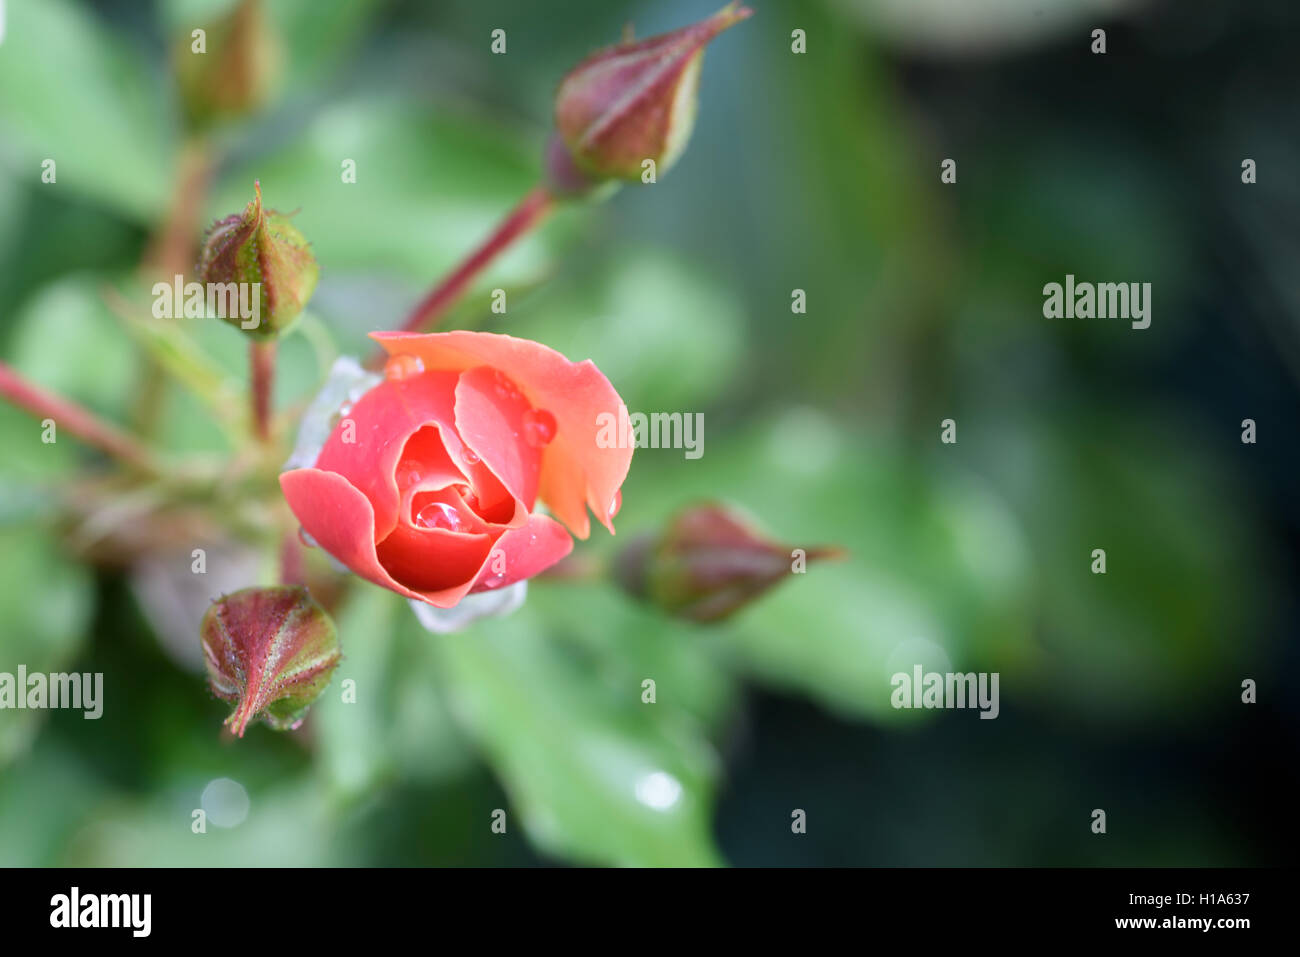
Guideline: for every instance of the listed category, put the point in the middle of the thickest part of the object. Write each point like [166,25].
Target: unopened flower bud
[272,651]
[564,177]
[708,563]
[228,68]
[261,249]
[636,101]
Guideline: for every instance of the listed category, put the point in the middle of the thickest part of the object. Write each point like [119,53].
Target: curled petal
[577,471]
[432,559]
[371,437]
[490,417]
[521,553]
[342,521]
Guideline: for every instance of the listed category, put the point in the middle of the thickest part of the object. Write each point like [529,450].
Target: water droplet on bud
[539,428]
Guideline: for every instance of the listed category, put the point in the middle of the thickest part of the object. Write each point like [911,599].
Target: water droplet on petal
[407,475]
[471,457]
[438,515]
[504,387]
[402,367]
[615,505]
[539,427]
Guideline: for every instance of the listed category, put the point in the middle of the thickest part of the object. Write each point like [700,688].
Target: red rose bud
[563,176]
[264,268]
[270,650]
[634,102]
[708,563]
[229,68]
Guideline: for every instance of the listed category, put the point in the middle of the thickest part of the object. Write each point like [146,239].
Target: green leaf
[66,340]
[429,185]
[73,92]
[30,468]
[391,723]
[628,642]
[938,571]
[593,774]
[44,797]
[631,313]
[45,607]
[1184,598]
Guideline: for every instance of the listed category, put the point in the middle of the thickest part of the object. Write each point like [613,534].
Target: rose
[428,484]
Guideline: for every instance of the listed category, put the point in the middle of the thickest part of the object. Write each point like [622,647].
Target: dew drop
[504,387]
[615,505]
[438,515]
[408,475]
[471,458]
[402,367]
[539,428]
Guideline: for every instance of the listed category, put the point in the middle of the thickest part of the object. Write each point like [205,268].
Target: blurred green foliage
[813,172]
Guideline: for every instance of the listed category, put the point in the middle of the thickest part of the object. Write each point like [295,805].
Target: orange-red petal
[576,471]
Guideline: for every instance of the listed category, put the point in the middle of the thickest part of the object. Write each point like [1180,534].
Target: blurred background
[817,171]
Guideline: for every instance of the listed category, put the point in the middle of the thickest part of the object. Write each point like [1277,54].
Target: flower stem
[172,248]
[80,421]
[292,571]
[530,212]
[261,362]
[171,252]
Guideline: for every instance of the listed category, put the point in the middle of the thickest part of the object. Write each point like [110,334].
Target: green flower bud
[634,102]
[708,564]
[270,650]
[262,248]
[229,69]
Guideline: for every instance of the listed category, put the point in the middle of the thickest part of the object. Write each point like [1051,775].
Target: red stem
[532,209]
[79,421]
[261,362]
[292,570]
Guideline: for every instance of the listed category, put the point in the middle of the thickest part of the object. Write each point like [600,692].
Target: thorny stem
[261,362]
[530,212]
[80,421]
